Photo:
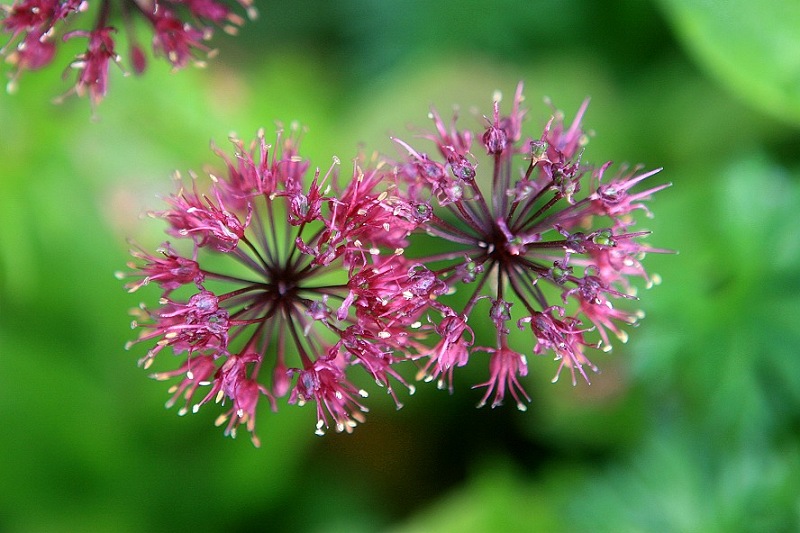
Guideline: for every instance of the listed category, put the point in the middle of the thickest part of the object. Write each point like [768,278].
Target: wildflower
[180,30]
[286,288]
[548,247]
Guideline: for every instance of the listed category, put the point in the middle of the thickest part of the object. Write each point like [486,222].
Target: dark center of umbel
[282,285]
[501,248]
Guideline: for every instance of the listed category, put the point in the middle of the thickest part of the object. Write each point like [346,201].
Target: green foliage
[751,46]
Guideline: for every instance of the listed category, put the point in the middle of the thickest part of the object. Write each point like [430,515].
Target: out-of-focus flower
[548,246]
[287,286]
[180,30]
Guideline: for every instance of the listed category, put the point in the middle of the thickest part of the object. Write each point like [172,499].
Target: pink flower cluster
[180,30]
[307,293]
[293,277]
[527,238]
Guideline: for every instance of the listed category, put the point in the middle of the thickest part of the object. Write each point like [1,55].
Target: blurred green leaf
[683,482]
[720,337]
[497,498]
[753,46]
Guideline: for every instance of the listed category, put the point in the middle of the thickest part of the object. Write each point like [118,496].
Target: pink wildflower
[324,382]
[92,65]
[520,237]
[286,288]
[180,30]
[505,365]
[170,271]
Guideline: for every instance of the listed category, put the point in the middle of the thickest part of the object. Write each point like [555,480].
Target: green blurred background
[694,425]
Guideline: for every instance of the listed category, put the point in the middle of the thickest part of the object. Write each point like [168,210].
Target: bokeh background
[693,426]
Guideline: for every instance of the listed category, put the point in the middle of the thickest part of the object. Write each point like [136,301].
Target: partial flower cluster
[299,292]
[545,247]
[293,278]
[180,29]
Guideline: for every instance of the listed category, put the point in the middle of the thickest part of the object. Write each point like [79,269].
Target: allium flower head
[180,30]
[534,238]
[290,280]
